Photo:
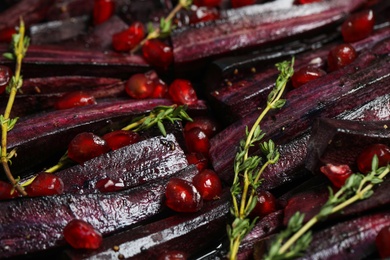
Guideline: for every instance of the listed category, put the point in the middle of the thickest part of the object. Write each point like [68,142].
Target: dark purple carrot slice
[65,9]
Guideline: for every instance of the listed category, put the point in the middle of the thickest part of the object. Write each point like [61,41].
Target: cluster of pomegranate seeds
[337,174]
[103,10]
[364,159]
[182,92]
[208,184]
[82,235]
[45,184]
[358,26]
[241,3]
[120,138]
[86,146]
[207,3]
[5,76]
[7,191]
[74,99]
[108,185]
[157,53]
[306,74]
[173,255]
[382,242]
[198,159]
[266,204]
[340,56]
[182,196]
[128,39]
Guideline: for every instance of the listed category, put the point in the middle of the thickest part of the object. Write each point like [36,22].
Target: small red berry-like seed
[208,3]
[182,196]
[45,184]
[358,26]
[128,39]
[7,191]
[303,2]
[306,74]
[82,235]
[139,86]
[173,255]
[364,160]
[197,141]
[103,10]
[382,242]
[203,14]
[157,53]
[266,204]
[121,138]
[5,76]
[108,185]
[160,89]
[337,174]
[74,99]
[340,56]
[206,124]
[86,146]
[6,34]
[208,184]
[241,3]
[198,159]
[182,92]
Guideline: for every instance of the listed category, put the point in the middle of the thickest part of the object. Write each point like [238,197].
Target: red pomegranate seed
[128,39]
[157,53]
[74,99]
[7,191]
[206,124]
[208,3]
[182,92]
[208,184]
[198,159]
[382,242]
[173,255]
[45,184]
[306,74]
[160,89]
[5,76]
[103,10]
[241,3]
[364,159]
[303,2]
[358,26]
[86,146]
[203,14]
[182,196]
[266,204]
[337,174]
[341,56]
[108,185]
[121,138]
[82,235]
[197,141]
[139,86]
[6,34]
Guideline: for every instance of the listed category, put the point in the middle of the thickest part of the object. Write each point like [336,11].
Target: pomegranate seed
[208,3]
[241,3]
[206,124]
[266,204]
[382,242]
[337,174]
[82,235]
[5,76]
[173,255]
[198,159]
[86,146]
[121,138]
[160,89]
[108,185]
[139,86]
[364,159]
[303,2]
[74,99]
[197,141]
[45,184]
[341,56]
[306,74]
[103,10]
[358,26]
[128,39]
[182,92]
[7,191]
[6,34]
[203,14]
[208,184]
[157,53]
[182,196]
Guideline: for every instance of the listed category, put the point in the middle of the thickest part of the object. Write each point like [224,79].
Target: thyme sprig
[248,169]
[19,47]
[166,27]
[293,241]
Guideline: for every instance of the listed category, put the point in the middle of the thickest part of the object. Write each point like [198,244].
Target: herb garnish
[293,241]
[19,47]
[248,169]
